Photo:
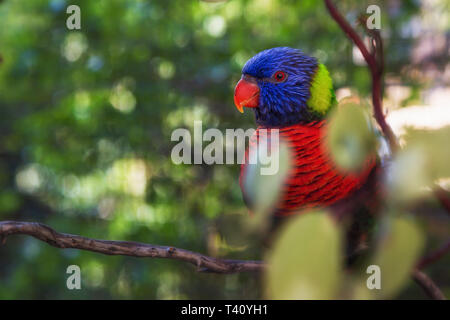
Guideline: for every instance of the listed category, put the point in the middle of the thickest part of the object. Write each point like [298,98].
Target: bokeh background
[86,119]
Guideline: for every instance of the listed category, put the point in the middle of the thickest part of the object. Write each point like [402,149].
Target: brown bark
[125,248]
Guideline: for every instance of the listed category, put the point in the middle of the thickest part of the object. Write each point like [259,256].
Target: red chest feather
[313,179]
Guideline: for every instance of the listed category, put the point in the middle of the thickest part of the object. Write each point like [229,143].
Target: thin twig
[428,285]
[375,61]
[376,70]
[443,196]
[351,33]
[434,256]
[125,248]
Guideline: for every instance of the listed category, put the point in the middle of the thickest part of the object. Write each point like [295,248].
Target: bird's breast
[313,179]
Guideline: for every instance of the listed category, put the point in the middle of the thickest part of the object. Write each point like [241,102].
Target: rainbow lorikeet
[293,92]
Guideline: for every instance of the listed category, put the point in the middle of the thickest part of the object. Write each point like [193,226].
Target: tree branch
[428,285]
[443,196]
[375,61]
[434,256]
[125,248]
[136,249]
[376,70]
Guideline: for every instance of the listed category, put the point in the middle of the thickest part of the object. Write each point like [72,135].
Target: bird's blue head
[285,87]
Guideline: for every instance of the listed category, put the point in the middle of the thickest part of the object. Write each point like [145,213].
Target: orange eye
[279,76]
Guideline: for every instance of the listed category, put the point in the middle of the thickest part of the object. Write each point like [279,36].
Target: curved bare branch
[428,285]
[434,256]
[135,249]
[376,70]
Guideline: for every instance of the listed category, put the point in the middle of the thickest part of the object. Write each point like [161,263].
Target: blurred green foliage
[86,119]
[351,138]
[306,261]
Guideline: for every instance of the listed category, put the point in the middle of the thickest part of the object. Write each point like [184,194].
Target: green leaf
[350,137]
[407,177]
[400,245]
[263,190]
[419,165]
[305,262]
[434,144]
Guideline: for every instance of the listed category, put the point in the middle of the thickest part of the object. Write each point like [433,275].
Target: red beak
[246,94]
